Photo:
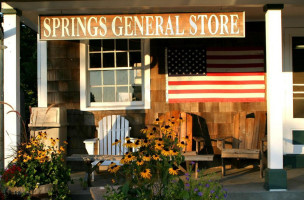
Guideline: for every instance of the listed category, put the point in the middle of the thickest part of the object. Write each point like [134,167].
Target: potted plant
[38,170]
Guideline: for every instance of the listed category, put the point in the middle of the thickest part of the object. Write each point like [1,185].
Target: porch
[243,183]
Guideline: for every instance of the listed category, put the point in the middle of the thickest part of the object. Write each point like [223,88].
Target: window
[117,74]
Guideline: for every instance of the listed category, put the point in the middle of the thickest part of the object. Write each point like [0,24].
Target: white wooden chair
[109,129]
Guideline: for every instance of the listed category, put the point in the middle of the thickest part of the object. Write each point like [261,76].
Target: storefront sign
[173,25]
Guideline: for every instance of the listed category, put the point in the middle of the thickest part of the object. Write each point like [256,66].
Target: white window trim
[84,97]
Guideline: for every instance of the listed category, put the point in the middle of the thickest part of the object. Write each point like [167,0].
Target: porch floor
[243,183]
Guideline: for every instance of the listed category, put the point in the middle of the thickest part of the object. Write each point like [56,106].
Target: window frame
[85,103]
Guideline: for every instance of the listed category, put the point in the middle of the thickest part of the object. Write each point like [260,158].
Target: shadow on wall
[81,126]
[200,129]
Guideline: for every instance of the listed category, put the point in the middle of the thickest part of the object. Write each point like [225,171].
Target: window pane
[122,94]
[121,44]
[136,76]
[134,44]
[108,45]
[108,60]
[135,59]
[298,76]
[95,60]
[122,77]
[109,94]
[95,78]
[122,59]
[108,78]
[95,45]
[136,93]
[96,94]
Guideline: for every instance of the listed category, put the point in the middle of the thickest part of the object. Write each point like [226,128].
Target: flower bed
[152,172]
[37,164]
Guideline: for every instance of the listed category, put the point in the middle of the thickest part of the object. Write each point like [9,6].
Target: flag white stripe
[234,53]
[212,87]
[247,69]
[217,95]
[235,61]
[216,78]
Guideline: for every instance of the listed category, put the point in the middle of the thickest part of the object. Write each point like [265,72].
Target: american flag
[215,75]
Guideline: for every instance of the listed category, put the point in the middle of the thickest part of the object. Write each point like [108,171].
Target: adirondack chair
[109,128]
[247,141]
[184,130]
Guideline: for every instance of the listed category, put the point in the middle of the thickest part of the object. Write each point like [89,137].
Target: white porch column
[11,29]
[42,72]
[275,178]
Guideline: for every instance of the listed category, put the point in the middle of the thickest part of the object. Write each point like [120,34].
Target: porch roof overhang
[31,9]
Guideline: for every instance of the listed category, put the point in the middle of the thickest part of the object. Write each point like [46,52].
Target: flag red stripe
[216,100]
[214,82]
[235,65]
[235,57]
[230,74]
[216,91]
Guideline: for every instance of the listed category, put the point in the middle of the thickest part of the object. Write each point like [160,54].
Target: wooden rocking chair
[247,140]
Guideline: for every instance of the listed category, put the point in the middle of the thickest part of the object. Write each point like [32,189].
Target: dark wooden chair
[247,141]
[185,130]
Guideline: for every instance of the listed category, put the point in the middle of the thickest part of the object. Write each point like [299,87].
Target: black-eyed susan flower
[159,146]
[127,138]
[128,144]
[129,158]
[181,144]
[113,180]
[156,157]
[150,136]
[140,162]
[159,140]
[146,173]
[65,142]
[144,130]
[62,148]
[165,152]
[145,143]
[146,158]
[173,170]
[116,142]
[154,129]
[113,169]
[173,152]
[156,122]
[137,143]
[186,139]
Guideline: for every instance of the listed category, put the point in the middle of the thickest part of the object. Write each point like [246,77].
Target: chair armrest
[221,142]
[93,140]
[198,141]
[263,147]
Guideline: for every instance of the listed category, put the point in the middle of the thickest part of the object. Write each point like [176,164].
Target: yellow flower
[129,158]
[113,181]
[145,143]
[181,144]
[129,144]
[33,151]
[144,130]
[62,148]
[173,170]
[114,169]
[156,157]
[186,139]
[127,138]
[28,146]
[137,144]
[146,174]
[159,141]
[140,162]
[165,152]
[159,146]
[173,152]
[146,158]
[112,164]
[116,142]
[150,136]
[122,161]
[65,142]
[57,139]
[166,129]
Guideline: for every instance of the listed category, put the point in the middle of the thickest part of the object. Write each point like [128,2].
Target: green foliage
[37,164]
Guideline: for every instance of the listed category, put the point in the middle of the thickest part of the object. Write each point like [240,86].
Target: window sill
[115,107]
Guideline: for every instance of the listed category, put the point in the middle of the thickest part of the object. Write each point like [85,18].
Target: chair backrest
[183,129]
[249,129]
[110,128]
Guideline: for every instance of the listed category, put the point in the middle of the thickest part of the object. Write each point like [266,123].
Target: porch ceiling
[31,9]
